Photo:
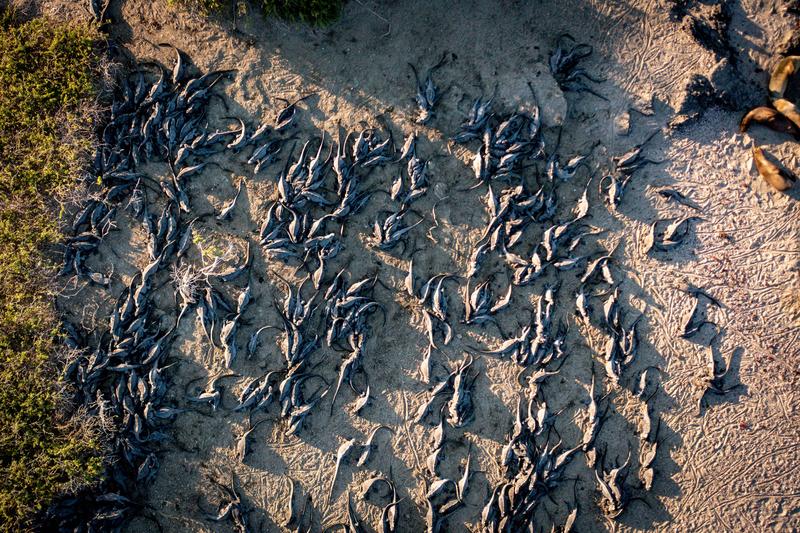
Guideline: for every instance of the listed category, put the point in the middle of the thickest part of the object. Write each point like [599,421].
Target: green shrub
[314,12]
[47,74]
[204,6]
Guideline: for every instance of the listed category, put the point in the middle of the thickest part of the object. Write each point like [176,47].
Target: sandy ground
[733,468]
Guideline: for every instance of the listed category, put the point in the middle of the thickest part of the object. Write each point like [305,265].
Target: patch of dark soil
[699,96]
[709,27]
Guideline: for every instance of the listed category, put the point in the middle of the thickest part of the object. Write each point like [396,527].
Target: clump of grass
[204,6]
[314,12]
[47,80]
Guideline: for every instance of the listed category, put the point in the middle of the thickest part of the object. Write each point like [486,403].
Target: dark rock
[790,46]
[733,90]
[699,95]
[709,27]
[678,10]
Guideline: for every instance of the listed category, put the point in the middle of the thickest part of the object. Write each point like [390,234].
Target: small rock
[513,93]
[622,123]
[548,95]
[731,89]
[643,105]
[698,96]
[791,43]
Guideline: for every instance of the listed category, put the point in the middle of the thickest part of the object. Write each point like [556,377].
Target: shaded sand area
[726,464]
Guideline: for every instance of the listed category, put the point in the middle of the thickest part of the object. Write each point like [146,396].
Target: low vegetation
[309,11]
[47,82]
[314,12]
